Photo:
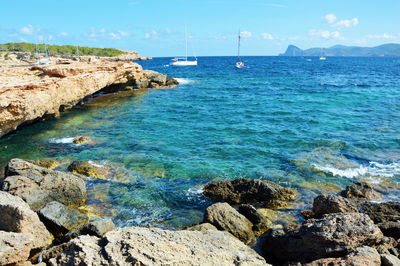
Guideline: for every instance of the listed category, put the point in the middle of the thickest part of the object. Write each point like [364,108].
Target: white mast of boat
[239,63]
[184,61]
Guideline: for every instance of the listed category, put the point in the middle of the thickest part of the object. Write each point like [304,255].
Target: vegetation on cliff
[59,49]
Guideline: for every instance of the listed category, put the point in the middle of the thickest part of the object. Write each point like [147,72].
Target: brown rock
[88,169]
[324,204]
[382,212]
[360,190]
[45,163]
[97,228]
[226,218]
[202,227]
[390,229]
[14,247]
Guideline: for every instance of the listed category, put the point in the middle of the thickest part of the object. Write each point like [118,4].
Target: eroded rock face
[382,212]
[151,246]
[226,218]
[38,186]
[60,219]
[97,228]
[325,204]
[334,235]
[360,190]
[14,247]
[16,216]
[248,191]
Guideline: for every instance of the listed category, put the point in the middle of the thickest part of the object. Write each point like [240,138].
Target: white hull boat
[184,61]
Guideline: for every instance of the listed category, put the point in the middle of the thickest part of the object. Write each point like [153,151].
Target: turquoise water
[313,125]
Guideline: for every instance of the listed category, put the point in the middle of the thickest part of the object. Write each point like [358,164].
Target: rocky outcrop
[17,217]
[27,95]
[382,212]
[146,246]
[360,190]
[324,204]
[14,247]
[249,191]
[97,228]
[226,218]
[88,169]
[202,227]
[60,219]
[335,235]
[38,186]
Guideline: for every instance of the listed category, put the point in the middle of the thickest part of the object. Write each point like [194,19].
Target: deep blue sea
[313,125]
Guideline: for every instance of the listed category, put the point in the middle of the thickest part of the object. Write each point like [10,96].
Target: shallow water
[316,126]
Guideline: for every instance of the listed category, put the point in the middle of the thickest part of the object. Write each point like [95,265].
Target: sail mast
[239,47]
[186,40]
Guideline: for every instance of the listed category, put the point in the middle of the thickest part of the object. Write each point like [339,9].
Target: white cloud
[383,36]
[114,36]
[29,30]
[346,23]
[152,35]
[245,34]
[325,34]
[62,34]
[102,33]
[267,36]
[50,37]
[123,33]
[330,18]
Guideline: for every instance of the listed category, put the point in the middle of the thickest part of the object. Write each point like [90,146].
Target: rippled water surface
[313,125]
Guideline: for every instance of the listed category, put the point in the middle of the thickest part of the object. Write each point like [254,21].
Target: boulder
[60,219]
[81,140]
[226,218]
[382,212]
[97,228]
[259,220]
[390,229]
[202,227]
[152,246]
[88,169]
[155,77]
[45,163]
[389,260]
[324,204]
[361,256]
[14,247]
[249,191]
[334,235]
[171,82]
[360,190]
[16,216]
[38,186]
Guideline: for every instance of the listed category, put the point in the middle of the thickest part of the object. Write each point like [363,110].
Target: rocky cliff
[30,94]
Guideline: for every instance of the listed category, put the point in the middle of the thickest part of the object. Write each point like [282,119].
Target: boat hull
[184,63]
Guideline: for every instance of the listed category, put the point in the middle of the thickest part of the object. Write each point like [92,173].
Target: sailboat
[322,57]
[239,63]
[180,61]
[44,61]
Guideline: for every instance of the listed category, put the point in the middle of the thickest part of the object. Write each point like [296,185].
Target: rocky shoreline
[42,222]
[29,94]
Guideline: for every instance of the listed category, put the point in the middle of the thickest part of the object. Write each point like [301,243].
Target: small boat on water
[322,57]
[239,63]
[183,61]
[42,61]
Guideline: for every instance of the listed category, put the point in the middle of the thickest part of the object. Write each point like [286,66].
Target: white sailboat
[239,63]
[322,57]
[183,61]
[43,61]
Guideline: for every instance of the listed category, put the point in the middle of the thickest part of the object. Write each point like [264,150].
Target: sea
[316,126]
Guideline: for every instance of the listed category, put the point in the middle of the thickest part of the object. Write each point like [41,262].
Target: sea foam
[62,140]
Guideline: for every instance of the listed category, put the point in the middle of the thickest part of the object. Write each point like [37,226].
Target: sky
[157,28]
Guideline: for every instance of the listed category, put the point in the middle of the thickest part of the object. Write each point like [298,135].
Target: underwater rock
[81,140]
[334,235]
[60,219]
[38,186]
[153,246]
[16,216]
[88,169]
[226,218]
[249,191]
[45,163]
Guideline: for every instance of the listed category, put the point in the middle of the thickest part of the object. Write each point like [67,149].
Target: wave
[96,164]
[183,81]
[373,169]
[62,140]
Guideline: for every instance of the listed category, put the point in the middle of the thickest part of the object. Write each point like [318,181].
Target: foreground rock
[60,219]
[249,191]
[226,218]
[325,204]
[38,186]
[17,217]
[27,95]
[335,235]
[14,247]
[144,246]
[94,228]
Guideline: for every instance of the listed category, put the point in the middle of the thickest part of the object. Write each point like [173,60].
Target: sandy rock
[360,190]
[334,235]
[226,218]
[14,247]
[94,228]
[389,260]
[60,219]
[151,246]
[38,186]
[248,191]
[324,204]
[361,256]
[16,216]
[88,169]
[202,227]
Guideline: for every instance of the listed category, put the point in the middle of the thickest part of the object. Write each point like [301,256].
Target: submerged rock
[45,163]
[334,235]
[226,218]
[60,219]
[38,186]
[88,169]
[152,246]
[14,247]
[81,140]
[249,191]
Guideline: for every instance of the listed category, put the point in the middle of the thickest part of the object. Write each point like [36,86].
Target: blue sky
[156,28]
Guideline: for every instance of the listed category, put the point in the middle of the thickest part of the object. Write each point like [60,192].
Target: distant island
[390,49]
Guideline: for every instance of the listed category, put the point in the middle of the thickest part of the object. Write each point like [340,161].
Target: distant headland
[390,49]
